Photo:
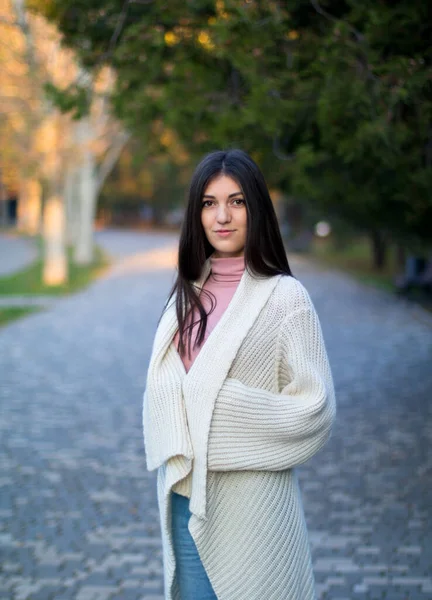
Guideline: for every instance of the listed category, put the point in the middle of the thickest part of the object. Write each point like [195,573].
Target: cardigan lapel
[249,298]
[168,324]
[210,368]
[165,426]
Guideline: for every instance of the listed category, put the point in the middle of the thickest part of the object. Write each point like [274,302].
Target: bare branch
[116,33]
[110,159]
[324,13]
[359,36]
[83,76]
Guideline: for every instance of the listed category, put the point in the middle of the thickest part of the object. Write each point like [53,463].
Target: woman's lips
[225,233]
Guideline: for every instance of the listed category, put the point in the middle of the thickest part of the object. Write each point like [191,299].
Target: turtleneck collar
[227,270]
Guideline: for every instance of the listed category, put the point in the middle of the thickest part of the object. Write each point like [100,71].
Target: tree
[371,160]
[99,140]
[61,147]
[35,142]
[157,181]
[339,92]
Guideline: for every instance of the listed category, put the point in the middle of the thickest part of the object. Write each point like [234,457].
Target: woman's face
[224,217]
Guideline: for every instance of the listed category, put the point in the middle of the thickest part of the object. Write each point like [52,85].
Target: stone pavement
[24,301]
[78,513]
[16,252]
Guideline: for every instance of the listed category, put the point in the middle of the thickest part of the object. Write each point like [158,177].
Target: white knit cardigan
[257,401]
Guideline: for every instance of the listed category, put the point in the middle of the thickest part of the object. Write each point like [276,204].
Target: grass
[11,314]
[28,282]
[356,260]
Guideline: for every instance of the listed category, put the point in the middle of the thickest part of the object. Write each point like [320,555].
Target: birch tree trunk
[55,262]
[91,180]
[86,208]
[34,206]
[71,198]
[29,206]
[29,201]
[22,211]
[55,271]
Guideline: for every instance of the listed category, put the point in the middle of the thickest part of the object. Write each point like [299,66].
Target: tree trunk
[90,182]
[86,206]
[34,206]
[30,206]
[22,207]
[379,249]
[71,197]
[55,271]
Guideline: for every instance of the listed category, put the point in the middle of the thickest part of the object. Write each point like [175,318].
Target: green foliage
[74,99]
[333,99]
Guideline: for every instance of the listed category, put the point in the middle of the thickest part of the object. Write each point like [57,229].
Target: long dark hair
[264,251]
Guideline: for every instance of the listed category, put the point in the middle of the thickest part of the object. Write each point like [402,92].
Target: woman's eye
[235,201]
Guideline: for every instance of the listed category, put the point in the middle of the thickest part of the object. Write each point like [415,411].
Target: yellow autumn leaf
[171,39]
[205,40]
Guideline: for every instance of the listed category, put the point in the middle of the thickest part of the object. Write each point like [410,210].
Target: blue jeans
[192,578]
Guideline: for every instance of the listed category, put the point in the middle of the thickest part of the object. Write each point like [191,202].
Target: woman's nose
[223,214]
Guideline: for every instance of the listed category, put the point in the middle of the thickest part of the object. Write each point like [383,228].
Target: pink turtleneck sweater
[222,282]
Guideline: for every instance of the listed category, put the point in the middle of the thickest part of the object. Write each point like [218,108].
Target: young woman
[239,392]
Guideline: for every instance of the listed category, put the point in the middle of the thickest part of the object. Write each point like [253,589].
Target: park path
[78,513]
[16,252]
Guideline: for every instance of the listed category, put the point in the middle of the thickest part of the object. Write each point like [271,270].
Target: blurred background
[106,106]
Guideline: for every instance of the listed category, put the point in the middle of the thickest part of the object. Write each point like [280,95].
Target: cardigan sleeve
[254,429]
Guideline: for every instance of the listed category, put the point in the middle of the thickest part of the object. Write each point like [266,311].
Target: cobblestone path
[16,252]
[78,514]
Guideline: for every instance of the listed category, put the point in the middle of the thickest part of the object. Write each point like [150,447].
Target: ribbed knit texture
[221,284]
[257,401]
